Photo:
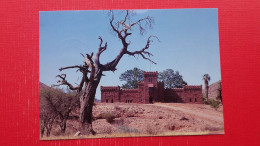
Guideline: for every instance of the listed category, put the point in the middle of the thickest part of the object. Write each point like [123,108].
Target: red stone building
[150,90]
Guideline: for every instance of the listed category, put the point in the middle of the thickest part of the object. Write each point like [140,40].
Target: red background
[239,29]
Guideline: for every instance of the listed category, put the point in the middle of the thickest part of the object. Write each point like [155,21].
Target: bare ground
[150,119]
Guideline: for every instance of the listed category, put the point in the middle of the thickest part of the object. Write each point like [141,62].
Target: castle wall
[187,94]
[160,92]
[150,90]
[129,96]
[110,94]
[192,94]
[173,95]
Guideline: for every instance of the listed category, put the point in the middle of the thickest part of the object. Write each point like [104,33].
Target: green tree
[132,77]
[219,96]
[171,79]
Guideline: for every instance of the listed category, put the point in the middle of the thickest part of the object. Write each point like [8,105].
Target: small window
[150,80]
[190,100]
[112,101]
[125,101]
[106,100]
[195,99]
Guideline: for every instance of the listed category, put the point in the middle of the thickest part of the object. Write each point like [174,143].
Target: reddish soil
[152,119]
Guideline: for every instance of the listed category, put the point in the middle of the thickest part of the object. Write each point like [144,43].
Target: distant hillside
[213,90]
[43,86]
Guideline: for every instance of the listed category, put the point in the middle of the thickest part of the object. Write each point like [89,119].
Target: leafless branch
[69,67]
[113,27]
[111,66]
[143,51]
[101,49]
[63,81]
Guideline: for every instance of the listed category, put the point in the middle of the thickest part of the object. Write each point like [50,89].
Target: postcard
[129,73]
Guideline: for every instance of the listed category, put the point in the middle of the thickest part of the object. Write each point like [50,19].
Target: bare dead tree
[64,109]
[61,105]
[47,121]
[47,116]
[56,107]
[92,69]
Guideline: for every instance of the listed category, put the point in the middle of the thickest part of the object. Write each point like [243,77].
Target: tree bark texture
[86,106]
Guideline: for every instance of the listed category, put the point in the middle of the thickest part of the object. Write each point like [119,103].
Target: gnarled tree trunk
[48,125]
[86,106]
[92,69]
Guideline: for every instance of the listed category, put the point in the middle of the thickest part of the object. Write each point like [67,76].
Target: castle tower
[150,87]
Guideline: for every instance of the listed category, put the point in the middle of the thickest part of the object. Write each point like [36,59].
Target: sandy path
[209,115]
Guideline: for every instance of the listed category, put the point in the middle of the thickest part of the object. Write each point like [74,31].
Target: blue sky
[189,43]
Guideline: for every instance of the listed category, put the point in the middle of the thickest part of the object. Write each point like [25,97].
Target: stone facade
[150,90]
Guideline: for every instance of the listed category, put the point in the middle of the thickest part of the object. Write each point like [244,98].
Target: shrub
[110,117]
[126,129]
[210,128]
[219,96]
[108,130]
[214,103]
[152,130]
[131,113]
[117,108]
[171,127]
[204,99]
[184,118]
[57,133]
[118,111]
[120,121]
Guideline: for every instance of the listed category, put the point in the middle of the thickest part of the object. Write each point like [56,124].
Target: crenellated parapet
[192,87]
[151,74]
[109,88]
[129,90]
[177,89]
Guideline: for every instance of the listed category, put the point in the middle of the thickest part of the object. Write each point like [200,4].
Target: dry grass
[129,120]
[211,128]
[118,135]
[124,129]
[152,129]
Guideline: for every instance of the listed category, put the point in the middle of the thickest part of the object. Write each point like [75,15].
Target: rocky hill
[213,90]
[43,86]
